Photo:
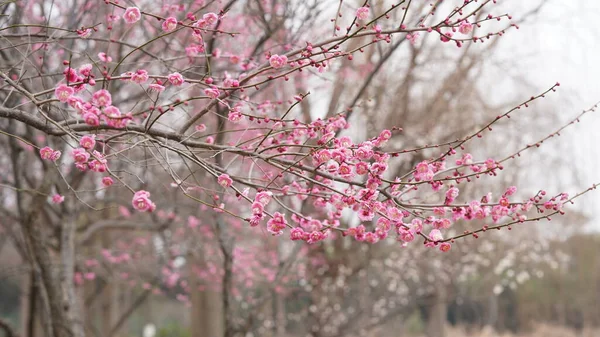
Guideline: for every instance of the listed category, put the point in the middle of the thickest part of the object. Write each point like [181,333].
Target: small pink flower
[156,87]
[446,37]
[91,119]
[362,13]
[104,58]
[445,246]
[169,24]
[107,181]
[102,98]
[63,92]
[224,180]
[48,153]
[465,28]
[140,76]
[210,18]
[80,155]
[451,195]
[70,74]
[84,33]
[88,142]
[85,70]
[212,92]
[200,127]
[141,201]
[297,233]
[176,79]
[435,235]
[132,15]
[234,116]
[278,61]
[58,199]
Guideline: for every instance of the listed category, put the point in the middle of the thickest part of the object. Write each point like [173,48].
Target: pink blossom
[224,180]
[446,37]
[176,79]
[63,92]
[80,155]
[132,15]
[435,235]
[58,199]
[48,153]
[297,233]
[91,119]
[451,195]
[406,235]
[107,181]
[169,24]
[200,127]
[104,58]
[102,98]
[156,87]
[140,76]
[362,13]
[278,61]
[445,246]
[276,224]
[141,201]
[85,70]
[210,18]
[234,116]
[84,33]
[465,27]
[423,171]
[70,74]
[212,92]
[263,197]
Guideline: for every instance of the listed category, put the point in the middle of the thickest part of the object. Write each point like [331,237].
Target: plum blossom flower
[85,70]
[423,171]
[48,153]
[169,24]
[102,98]
[63,92]
[276,224]
[362,13]
[210,18]
[80,155]
[141,201]
[176,79]
[104,58]
[132,15]
[278,61]
[465,27]
[212,92]
[451,195]
[91,119]
[140,76]
[107,181]
[445,246]
[234,116]
[58,199]
[156,87]
[224,180]
[435,235]
[88,142]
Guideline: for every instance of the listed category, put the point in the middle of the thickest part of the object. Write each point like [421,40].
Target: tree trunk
[436,320]
[207,313]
